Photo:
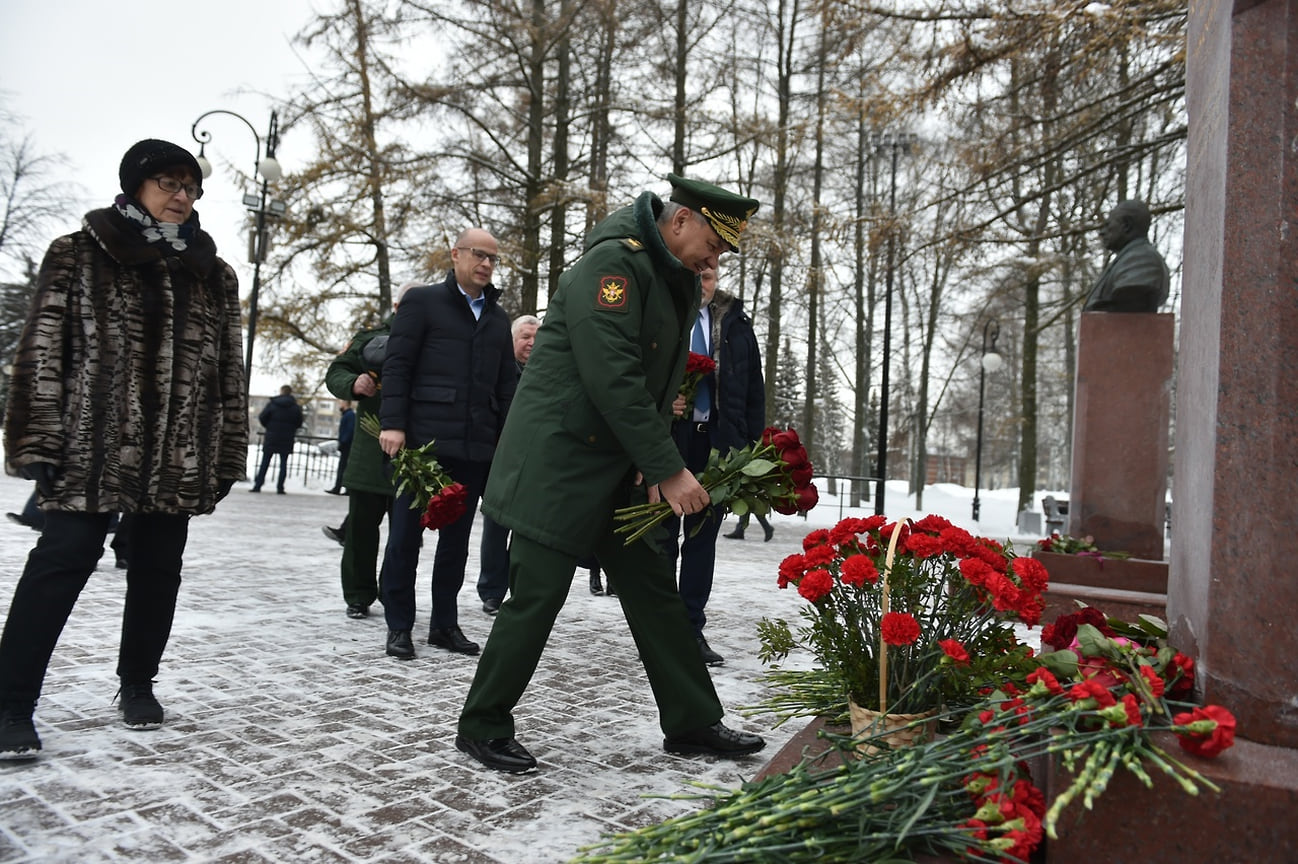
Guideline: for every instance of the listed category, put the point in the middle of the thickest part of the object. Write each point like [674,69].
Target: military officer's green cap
[726,212]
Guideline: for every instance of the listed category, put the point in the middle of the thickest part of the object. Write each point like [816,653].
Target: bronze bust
[1136,280]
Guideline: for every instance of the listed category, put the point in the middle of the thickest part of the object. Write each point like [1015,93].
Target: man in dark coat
[728,412]
[591,421]
[346,435]
[281,418]
[449,377]
[355,373]
[493,575]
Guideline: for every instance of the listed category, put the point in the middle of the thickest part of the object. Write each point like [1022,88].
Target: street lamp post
[990,361]
[896,142]
[260,206]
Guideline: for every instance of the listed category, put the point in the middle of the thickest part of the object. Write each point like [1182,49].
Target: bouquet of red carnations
[771,474]
[697,367]
[416,470]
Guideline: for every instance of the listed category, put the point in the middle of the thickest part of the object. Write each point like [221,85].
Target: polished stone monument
[1232,594]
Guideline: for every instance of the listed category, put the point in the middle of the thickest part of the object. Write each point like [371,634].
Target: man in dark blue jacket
[281,419]
[449,377]
[729,410]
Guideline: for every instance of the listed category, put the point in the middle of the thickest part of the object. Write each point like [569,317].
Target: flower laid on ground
[771,474]
[1085,546]
[417,471]
[966,795]
[929,631]
[697,367]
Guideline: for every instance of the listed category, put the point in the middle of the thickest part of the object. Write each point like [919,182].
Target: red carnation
[899,628]
[859,569]
[816,584]
[1212,730]
[1180,676]
[953,649]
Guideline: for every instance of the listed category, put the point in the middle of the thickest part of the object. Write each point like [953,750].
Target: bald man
[449,377]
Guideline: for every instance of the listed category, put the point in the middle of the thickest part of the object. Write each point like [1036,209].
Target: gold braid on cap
[729,227]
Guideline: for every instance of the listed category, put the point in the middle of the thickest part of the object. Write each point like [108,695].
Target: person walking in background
[591,422]
[449,377]
[346,434]
[355,372]
[281,418]
[738,533]
[729,411]
[493,575]
[133,312]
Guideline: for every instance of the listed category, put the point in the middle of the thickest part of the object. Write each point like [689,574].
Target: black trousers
[59,567]
[401,556]
[698,545]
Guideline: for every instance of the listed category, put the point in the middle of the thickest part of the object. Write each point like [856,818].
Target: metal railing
[850,489]
[307,460]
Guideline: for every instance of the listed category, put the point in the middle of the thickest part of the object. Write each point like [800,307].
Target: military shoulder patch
[633,244]
[611,293]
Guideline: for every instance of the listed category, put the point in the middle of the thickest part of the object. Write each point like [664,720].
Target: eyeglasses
[171,186]
[480,254]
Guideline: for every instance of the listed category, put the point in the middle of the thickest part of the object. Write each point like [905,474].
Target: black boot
[595,587]
[139,709]
[18,738]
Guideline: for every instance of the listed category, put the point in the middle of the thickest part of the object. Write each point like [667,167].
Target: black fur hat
[147,158]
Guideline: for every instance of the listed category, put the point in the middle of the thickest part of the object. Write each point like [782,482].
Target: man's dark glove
[224,488]
[43,474]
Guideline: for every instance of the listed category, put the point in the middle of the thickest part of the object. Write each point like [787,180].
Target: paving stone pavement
[290,737]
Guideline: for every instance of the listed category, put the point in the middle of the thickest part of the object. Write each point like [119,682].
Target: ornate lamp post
[259,205]
[989,362]
[896,142]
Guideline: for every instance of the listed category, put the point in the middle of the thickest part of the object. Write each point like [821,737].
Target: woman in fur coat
[127,396]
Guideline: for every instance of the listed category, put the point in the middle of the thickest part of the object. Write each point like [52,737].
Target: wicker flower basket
[895,730]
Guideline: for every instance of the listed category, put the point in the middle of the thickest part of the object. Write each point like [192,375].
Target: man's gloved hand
[224,489]
[43,474]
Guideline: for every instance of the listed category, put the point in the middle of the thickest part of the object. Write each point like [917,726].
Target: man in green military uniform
[590,431]
[354,374]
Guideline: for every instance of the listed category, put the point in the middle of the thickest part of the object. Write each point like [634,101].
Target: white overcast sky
[88,78]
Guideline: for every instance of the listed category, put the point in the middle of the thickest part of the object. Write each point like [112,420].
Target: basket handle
[883,646]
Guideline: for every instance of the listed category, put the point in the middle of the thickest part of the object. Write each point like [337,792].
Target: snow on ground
[292,738]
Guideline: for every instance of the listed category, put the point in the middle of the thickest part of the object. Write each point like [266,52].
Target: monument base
[1250,820]
[1122,588]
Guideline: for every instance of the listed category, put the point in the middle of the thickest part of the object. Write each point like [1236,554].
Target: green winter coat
[365,471]
[595,403]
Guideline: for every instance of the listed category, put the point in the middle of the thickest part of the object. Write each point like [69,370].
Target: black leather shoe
[715,740]
[498,754]
[595,587]
[400,646]
[356,610]
[491,605]
[334,534]
[608,587]
[734,535]
[710,657]
[452,639]
[334,491]
[19,519]
[770,532]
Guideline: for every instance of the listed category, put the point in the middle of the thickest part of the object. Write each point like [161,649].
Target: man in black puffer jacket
[281,418]
[449,377]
